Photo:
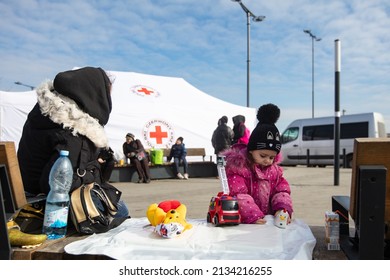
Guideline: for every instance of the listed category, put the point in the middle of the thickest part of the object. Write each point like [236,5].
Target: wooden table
[54,249]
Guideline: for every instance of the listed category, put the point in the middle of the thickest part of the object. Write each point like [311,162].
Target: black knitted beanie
[266,136]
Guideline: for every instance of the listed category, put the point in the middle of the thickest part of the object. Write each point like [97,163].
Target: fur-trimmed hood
[64,111]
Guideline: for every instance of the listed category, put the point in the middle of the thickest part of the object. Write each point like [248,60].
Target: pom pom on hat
[268,114]
[266,135]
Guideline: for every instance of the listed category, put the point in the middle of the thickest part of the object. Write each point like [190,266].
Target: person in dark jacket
[222,136]
[179,153]
[70,114]
[241,132]
[134,150]
[107,163]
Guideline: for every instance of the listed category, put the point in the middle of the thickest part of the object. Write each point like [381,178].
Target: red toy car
[223,210]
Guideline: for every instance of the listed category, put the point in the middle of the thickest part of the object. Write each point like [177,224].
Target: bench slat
[191,152]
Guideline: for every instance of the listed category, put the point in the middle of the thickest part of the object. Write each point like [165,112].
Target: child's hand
[261,222]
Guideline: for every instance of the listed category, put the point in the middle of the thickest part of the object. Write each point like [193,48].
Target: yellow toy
[168,217]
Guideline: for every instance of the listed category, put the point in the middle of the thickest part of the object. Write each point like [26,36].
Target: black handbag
[92,211]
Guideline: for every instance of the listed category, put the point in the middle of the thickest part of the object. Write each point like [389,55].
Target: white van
[311,141]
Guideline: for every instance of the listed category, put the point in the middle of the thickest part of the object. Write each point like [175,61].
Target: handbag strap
[88,167]
[83,159]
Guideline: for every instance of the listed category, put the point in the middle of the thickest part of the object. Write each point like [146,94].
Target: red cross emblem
[144,91]
[158,134]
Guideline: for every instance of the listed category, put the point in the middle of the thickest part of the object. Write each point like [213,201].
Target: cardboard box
[332,230]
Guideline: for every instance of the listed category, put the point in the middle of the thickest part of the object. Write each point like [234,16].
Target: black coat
[39,148]
[222,138]
[134,147]
[57,123]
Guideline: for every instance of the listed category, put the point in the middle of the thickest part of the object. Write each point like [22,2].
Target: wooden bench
[191,152]
[9,158]
[54,249]
[197,164]
[12,195]
[369,202]
[6,208]
[200,153]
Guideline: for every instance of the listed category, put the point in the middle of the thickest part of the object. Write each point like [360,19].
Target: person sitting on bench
[179,153]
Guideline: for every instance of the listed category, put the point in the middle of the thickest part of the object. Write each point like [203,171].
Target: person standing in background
[222,136]
[241,132]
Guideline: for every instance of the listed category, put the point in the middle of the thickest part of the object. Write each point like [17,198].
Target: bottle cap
[64,153]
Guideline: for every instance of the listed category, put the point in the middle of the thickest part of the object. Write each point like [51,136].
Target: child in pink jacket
[253,173]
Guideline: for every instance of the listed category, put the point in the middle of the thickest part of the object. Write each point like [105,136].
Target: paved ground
[312,189]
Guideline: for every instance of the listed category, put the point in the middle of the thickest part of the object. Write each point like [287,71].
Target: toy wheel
[208,218]
[216,220]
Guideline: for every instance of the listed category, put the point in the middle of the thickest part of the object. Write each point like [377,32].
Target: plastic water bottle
[57,202]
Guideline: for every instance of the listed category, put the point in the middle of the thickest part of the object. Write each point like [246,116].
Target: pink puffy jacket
[245,138]
[260,191]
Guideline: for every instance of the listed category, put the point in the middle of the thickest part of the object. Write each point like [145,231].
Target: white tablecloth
[135,239]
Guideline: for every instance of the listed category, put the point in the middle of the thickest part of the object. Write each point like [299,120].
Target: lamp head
[258,18]
[238,1]
[307,31]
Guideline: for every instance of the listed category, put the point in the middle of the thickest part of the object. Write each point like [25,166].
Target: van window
[290,134]
[353,130]
[326,132]
[317,132]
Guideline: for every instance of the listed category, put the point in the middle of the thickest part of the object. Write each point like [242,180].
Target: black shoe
[140,181]
[147,181]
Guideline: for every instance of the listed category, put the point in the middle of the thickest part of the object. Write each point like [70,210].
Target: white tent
[155,109]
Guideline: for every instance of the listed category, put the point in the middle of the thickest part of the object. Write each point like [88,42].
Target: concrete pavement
[311,190]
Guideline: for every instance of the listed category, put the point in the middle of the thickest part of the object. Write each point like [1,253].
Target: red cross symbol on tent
[158,134]
[145,91]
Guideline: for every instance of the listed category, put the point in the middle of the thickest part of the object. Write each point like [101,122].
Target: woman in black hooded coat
[70,115]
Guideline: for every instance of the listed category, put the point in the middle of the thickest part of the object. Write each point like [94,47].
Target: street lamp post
[313,38]
[21,84]
[249,15]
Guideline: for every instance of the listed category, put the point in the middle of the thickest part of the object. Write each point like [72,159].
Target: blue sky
[205,42]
